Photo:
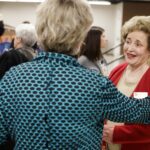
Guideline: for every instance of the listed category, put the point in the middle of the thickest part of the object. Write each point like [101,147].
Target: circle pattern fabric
[53,103]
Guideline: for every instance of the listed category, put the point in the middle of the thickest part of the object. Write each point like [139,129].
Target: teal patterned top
[53,103]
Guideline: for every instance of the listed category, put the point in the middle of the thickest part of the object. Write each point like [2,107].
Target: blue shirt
[54,103]
[4,46]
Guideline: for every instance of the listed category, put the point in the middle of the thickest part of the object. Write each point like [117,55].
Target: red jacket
[132,136]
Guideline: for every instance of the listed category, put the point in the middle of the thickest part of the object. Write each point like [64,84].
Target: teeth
[131,55]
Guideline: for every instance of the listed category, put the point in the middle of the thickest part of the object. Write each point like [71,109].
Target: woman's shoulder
[118,68]
[83,59]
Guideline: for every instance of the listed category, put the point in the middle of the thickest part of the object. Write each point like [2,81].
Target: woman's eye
[138,44]
[127,42]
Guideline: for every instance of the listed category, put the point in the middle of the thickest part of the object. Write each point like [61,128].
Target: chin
[130,62]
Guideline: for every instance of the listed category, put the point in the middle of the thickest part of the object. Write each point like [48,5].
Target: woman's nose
[131,47]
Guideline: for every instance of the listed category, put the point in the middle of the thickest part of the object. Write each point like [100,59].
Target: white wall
[108,17]
[15,13]
[104,16]
[118,25]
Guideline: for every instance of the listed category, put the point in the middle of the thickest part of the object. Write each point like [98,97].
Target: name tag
[140,94]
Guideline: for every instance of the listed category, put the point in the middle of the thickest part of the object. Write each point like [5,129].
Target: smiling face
[136,50]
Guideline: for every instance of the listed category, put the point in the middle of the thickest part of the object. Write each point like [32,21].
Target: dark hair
[12,44]
[91,47]
[2,29]
[9,59]
[26,22]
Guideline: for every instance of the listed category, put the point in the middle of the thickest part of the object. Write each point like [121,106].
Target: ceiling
[117,1]
[112,1]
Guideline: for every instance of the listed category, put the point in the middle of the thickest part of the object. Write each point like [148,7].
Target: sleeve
[119,108]
[3,131]
[3,128]
[127,134]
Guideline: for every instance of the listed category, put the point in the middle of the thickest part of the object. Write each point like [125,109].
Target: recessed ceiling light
[99,3]
[90,2]
[22,1]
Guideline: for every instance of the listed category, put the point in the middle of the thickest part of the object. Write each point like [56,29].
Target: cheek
[125,47]
[103,43]
[147,55]
[143,51]
[15,43]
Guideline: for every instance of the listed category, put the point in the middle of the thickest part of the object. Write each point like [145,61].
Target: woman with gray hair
[25,39]
[53,102]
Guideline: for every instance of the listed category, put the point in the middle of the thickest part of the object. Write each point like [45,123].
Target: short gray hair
[27,33]
[63,24]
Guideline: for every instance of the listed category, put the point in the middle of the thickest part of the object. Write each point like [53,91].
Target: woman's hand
[108,133]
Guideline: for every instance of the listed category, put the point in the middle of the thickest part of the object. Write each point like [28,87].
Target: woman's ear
[149,57]
[17,42]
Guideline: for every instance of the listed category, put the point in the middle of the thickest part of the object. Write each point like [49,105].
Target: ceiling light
[90,2]
[22,1]
[99,3]
[6,0]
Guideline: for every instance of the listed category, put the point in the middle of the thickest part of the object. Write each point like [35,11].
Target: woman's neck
[135,69]
[134,74]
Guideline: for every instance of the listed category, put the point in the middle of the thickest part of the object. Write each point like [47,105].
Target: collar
[57,57]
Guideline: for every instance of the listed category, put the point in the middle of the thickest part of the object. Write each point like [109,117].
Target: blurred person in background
[91,55]
[132,78]
[4,43]
[25,39]
[35,47]
[1,25]
[9,59]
